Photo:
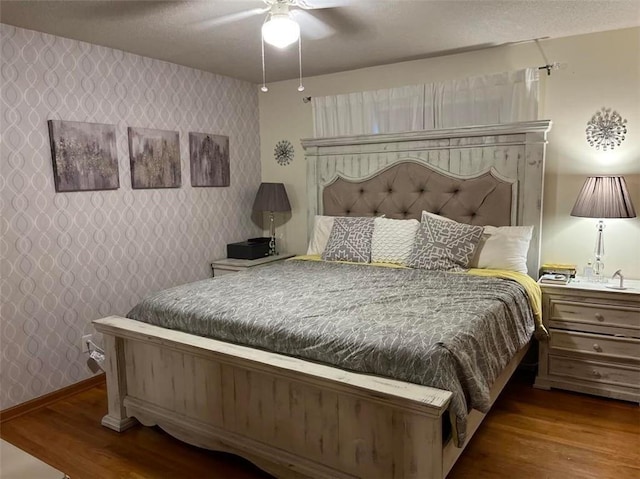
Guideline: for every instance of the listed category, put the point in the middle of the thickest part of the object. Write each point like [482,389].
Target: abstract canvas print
[84,156]
[155,158]
[209,159]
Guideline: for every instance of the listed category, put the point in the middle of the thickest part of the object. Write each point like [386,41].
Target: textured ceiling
[367,32]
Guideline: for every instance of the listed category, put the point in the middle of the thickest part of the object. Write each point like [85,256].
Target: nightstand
[594,343]
[224,266]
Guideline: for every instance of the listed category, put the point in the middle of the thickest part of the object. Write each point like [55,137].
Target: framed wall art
[84,156]
[209,159]
[155,158]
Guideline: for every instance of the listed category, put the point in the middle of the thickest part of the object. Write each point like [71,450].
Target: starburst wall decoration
[283,152]
[606,129]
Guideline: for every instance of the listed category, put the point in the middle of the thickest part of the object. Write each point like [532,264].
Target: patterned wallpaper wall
[68,258]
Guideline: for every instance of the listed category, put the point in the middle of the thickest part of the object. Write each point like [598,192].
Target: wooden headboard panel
[509,158]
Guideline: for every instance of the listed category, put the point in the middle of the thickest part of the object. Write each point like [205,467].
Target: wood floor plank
[529,433]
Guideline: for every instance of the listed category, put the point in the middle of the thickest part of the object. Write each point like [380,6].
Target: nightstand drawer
[221,272]
[627,376]
[224,266]
[594,317]
[625,349]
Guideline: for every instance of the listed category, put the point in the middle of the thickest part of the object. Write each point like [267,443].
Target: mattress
[451,331]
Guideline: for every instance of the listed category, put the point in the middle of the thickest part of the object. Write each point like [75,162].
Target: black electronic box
[253,248]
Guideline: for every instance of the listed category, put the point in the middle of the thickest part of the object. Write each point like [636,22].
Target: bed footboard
[116,417]
[290,417]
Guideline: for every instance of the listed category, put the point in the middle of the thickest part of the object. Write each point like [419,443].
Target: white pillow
[321,231]
[392,240]
[501,247]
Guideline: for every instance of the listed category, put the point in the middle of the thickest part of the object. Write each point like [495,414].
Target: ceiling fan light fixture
[280,30]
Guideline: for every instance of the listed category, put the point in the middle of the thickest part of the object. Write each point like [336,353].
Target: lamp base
[598,264]
[272,246]
[272,232]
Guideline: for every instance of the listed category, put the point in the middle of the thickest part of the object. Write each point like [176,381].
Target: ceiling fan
[281,15]
[281,27]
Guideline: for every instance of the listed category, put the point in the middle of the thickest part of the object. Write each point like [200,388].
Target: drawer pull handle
[596,374]
[596,347]
[599,317]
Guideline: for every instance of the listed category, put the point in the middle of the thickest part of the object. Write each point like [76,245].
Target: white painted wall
[603,69]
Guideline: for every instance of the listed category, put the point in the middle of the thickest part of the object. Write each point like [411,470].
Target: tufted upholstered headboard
[404,189]
[486,175]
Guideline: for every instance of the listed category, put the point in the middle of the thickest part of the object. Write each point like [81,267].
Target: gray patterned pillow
[350,240]
[444,245]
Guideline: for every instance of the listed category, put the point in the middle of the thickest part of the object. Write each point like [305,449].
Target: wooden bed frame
[294,418]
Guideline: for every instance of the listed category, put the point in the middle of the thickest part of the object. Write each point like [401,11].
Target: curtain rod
[548,67]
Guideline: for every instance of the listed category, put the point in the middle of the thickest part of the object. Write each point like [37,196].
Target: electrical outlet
[85,342]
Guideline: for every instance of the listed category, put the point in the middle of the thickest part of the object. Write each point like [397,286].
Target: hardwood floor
[528,434]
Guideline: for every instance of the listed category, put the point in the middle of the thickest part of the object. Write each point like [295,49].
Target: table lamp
[272,197]
[603,197]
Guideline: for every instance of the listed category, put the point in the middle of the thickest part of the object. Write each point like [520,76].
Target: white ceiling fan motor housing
[280,30]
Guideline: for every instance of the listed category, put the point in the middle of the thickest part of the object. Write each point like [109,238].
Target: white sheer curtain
[381,111]
[482,100]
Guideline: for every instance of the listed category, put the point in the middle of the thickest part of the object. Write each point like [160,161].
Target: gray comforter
[447,330]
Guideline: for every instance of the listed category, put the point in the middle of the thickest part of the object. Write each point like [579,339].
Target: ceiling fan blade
[311,26]
[318,4]
[230,18]
[347,21]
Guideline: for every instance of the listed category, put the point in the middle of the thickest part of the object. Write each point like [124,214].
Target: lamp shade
[604,197]
[271,197]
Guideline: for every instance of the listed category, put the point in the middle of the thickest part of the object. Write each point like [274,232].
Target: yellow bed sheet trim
[317,257]
[531,287]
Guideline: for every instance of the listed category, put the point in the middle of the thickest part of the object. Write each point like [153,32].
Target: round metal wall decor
[283,152]
[606,129]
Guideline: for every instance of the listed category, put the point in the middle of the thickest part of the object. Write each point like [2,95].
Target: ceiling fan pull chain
[301,87]
[264,75]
